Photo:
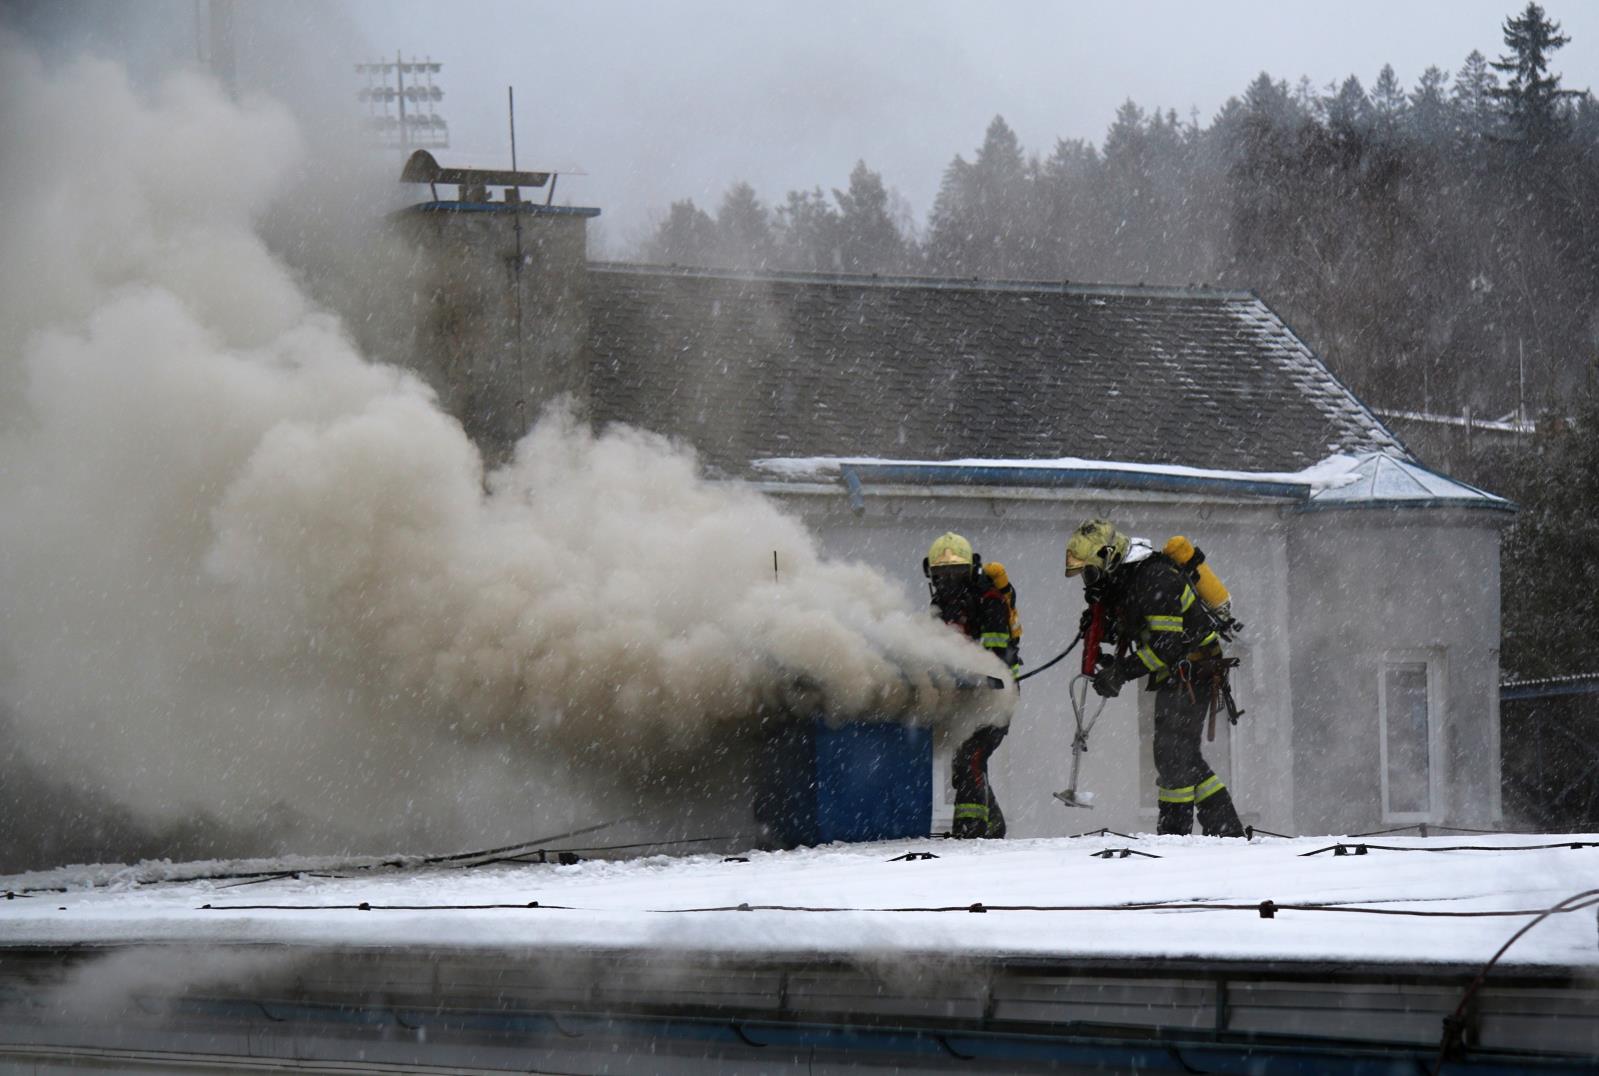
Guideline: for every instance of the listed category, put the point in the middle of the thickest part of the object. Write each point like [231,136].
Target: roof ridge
[1043,287]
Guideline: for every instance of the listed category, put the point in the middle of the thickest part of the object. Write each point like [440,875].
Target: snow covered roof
[751,365]
[1510,423]
[1373,480]
[1396,900]
[1380,481]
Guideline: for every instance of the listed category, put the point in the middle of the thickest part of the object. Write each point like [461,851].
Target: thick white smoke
[247,574]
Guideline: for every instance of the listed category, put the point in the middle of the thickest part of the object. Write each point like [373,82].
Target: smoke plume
[248,575]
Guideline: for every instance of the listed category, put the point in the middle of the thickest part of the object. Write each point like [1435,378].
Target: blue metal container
[816,782]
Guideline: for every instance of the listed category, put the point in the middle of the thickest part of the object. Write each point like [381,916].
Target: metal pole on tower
[405,135]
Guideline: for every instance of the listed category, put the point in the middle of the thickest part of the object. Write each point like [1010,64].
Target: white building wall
[1027,531]
[1376,586]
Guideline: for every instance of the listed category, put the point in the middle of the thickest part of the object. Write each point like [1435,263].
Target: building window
[1410,710]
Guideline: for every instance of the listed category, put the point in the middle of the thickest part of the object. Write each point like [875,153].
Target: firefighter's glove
[1108,681]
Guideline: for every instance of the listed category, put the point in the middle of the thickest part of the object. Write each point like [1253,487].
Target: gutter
[1496,504]
[1298,496]
[1096,478]
[1550,688]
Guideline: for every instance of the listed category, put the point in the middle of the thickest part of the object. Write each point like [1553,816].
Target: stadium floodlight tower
[402,101]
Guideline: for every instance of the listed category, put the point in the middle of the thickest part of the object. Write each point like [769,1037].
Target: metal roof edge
[1512,505]
[1071,478]
[1549,687]
[1496,504]
[532,209]
[1043,287]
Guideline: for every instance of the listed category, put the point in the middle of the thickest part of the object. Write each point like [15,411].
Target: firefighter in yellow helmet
[980,604]
[1159,629]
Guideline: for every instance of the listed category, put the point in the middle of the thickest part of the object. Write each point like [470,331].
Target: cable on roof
[545,853]
[398,863]
[1361,849]
[1421,829]
[1266,909]
[1454,1023]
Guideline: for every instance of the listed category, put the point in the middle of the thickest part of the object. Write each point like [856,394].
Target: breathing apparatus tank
[1207,584]
[1000,581]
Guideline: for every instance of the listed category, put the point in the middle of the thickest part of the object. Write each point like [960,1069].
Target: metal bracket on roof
[857,495]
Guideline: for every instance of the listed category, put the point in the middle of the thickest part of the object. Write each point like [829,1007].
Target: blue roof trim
[1073,478]
[532,209]
[1487,504]
[1299,494]
[1520,692]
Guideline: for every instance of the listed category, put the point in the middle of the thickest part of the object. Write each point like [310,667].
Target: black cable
[458,856]
[1052,661]
[320,869]
[522,857]
[1452,1025]
[1423,827]
[1260,908]
[1352,848]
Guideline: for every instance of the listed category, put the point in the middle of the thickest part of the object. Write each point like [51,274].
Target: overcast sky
[659,101]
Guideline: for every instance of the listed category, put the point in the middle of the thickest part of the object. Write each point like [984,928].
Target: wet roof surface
[771,365]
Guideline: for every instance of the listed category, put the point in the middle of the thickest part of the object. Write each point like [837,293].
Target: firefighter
[1162,631]
[979,604]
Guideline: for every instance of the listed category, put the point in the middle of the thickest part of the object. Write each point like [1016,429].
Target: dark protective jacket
[1155,612]
[981,612]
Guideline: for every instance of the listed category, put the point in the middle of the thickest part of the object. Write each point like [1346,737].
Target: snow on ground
[649,903]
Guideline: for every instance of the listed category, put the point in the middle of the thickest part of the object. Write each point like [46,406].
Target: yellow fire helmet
[1096,544]
[948,549]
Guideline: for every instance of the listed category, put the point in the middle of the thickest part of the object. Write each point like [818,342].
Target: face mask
[948,583]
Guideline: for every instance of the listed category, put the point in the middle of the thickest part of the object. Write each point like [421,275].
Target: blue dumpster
[817,782]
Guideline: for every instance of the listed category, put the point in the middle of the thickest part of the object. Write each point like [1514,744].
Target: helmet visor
[1074,565]
[950,579]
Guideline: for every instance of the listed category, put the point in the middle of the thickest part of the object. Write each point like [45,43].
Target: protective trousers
[977,812]
[1185,779]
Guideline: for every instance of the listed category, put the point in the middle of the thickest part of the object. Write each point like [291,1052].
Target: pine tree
[686,237]
[979,220]
[743,229]
[952,225]
[1533,100]
[869,242]
[1475,88]
[1551,566]
[1348,111]
[808,233]
[1388,103]
[1068,221]
[1429,107]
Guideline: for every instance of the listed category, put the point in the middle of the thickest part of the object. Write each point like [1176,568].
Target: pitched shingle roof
[758,365]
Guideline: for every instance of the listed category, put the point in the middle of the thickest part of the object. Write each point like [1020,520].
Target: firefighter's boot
[1218,817]
[1175,818]
[996,818]
[971,820]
